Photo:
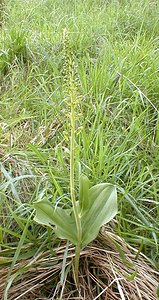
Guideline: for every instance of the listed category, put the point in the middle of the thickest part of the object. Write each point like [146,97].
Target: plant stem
[77,258]
[72,189]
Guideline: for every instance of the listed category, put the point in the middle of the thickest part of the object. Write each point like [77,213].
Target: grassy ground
[115,47]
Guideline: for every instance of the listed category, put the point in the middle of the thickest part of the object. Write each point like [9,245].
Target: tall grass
[115,46]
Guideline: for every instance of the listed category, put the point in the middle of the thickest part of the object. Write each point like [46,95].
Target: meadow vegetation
[115,48]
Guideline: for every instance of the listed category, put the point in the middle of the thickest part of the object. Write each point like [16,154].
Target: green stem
[72,189]
[77,258]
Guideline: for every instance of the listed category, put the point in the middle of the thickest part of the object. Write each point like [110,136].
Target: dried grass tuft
[109,270]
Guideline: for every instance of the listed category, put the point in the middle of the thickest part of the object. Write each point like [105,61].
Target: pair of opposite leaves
[96,206]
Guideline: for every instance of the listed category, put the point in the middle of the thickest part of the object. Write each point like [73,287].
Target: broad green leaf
[65,224]
[102,208]
[83,193]
[98,205]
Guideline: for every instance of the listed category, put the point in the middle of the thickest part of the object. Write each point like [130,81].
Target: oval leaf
[65,224]
[102,208]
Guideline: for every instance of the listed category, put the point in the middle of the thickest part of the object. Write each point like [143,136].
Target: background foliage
[115,46]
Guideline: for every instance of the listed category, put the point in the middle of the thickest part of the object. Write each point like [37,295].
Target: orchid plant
[94,206]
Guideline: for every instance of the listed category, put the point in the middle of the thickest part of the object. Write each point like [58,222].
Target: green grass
[115,47]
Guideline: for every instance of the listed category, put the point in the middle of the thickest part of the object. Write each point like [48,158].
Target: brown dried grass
[104,274]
